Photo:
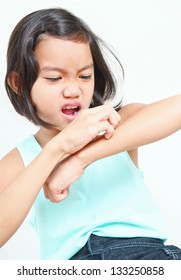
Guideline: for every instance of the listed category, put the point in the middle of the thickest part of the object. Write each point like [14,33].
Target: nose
[71,91]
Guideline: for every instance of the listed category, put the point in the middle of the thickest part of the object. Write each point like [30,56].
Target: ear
[13,81]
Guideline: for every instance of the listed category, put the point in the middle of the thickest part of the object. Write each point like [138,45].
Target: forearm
[152,123]
[18,192]
[18,197]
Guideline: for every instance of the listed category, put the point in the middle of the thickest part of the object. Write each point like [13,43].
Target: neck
[44,135]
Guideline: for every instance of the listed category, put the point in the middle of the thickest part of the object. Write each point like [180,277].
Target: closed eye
[85,77]
[53,79]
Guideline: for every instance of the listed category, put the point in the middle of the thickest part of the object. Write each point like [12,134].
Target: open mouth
[71,111]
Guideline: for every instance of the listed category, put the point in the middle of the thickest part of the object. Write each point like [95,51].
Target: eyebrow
[58,69]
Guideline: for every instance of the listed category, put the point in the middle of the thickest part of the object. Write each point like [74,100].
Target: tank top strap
[29,149]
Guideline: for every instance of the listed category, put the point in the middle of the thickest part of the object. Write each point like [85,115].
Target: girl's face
[65,81]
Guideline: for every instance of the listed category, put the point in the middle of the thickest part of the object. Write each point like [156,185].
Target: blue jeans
[139,248]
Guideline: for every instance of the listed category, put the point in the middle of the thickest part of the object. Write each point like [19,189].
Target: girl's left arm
[140,125]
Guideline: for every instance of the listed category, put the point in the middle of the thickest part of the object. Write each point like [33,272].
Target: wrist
[80,160]
[56,148]
[86,156]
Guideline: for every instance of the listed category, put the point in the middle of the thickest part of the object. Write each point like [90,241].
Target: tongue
[68,111]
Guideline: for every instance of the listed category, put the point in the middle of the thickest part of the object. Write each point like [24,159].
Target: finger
[66,192]
[114,119]
[101,112]
[105,128]
[59,196]
[109,132]
[109,113]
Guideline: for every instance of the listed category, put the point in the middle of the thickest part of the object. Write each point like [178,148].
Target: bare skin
[18,184]
[139,125]
[62,94]
[65,82]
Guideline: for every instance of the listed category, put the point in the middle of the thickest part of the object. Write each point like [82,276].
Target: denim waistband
[98,243]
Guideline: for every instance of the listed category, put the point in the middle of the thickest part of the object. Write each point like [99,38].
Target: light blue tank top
[110,199]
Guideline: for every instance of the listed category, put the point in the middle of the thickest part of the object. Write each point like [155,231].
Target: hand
[56,187]
[87,125]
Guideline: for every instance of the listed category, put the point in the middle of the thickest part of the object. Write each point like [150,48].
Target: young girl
[58,78]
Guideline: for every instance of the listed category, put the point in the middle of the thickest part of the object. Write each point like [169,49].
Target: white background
[146,35]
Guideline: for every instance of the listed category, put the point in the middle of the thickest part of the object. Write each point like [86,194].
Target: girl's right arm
[19,186]
[140,127]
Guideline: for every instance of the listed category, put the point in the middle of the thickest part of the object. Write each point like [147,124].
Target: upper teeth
[70,107]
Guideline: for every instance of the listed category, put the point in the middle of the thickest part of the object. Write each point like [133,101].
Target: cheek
[90,91]
[42,99]
[36,93]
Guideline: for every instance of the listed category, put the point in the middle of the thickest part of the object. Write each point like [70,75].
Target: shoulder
[130,109]
[10,166]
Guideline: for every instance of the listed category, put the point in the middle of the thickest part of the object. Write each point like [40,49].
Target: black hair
[55,22]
